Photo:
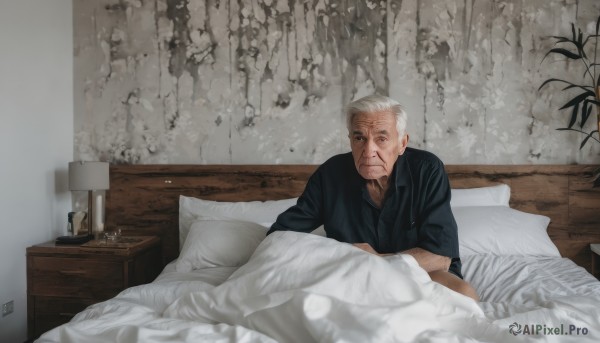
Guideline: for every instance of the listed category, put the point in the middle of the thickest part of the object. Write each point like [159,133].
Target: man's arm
[306,215]
[427,260]
[437,230]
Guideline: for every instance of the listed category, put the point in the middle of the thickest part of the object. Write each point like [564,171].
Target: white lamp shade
[87,176]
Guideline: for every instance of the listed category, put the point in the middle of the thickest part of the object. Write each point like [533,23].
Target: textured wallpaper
[265,81]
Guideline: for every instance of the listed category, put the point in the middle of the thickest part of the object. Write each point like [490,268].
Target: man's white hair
[376,103]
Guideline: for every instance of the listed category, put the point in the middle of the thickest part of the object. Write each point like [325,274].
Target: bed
[525,234]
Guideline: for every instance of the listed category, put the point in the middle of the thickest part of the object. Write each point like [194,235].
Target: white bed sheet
[212,276]
[527,280]
[520,291]
[205,306]
[521,280]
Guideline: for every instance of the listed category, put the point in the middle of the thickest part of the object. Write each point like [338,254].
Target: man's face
[375,144]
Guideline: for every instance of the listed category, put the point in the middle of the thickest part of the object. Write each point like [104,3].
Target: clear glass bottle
[70,223]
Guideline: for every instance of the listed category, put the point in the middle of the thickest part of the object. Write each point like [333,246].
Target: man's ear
[403,144]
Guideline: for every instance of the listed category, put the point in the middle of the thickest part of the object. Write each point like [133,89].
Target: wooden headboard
[144,199]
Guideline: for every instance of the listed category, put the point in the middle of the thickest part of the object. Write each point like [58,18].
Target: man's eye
[357,138]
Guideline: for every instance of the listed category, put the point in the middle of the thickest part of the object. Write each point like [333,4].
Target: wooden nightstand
[63,280]
[595,260]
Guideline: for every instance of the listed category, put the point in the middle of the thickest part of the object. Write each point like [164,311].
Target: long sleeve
[307,214]
[438,231]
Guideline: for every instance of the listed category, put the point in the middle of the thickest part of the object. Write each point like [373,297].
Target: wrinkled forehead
[378,121]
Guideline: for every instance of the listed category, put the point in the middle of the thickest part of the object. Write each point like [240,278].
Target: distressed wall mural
[265,81]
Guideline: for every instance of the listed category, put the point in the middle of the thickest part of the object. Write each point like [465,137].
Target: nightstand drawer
[52,311]
[75,277]
[64,307]
[63,280]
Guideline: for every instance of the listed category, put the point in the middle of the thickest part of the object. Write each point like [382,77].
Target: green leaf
[579,44]
[551,80]
[585,114]
[578,99]
[597,103]
[574,115]
[577,86]
[563,52]
[560,39]
[559,80]
[587,138]
[598,26]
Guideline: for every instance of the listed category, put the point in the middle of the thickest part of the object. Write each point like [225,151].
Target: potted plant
[584,49]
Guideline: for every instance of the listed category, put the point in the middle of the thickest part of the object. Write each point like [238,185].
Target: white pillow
[501,230]
[483,196]
[219,243]
[261,212]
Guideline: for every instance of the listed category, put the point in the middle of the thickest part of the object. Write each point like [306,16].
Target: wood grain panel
[143,199]
[561,192]
[80,278]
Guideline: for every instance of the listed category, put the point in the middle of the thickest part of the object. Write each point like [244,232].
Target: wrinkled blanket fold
[306,288]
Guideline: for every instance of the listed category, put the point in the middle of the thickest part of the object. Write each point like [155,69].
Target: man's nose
[370,148]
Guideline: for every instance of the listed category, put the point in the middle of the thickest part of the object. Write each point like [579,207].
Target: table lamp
[90,176]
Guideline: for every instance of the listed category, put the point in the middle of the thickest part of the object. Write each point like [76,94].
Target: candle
[99,213]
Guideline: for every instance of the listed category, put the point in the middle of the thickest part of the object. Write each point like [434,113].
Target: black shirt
[415,211]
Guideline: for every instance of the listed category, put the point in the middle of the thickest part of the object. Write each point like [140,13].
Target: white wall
[36,139]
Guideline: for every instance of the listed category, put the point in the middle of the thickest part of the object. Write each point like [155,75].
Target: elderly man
[383,197]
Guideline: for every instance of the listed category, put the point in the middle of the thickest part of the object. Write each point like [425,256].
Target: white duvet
[306,288]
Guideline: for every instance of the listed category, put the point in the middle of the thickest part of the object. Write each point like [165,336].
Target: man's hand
[368,248]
